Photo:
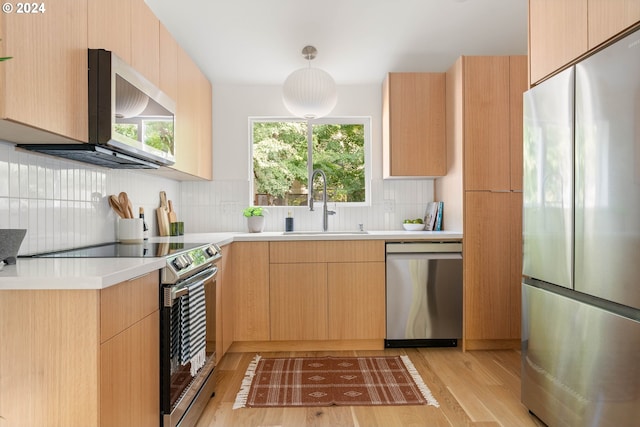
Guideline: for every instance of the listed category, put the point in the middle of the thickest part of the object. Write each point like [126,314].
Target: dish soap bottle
[288,222]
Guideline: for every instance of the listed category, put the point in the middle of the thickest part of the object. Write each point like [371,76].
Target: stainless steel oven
[187,335]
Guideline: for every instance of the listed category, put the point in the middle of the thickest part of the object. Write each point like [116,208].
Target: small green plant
[6,57]
[254,211]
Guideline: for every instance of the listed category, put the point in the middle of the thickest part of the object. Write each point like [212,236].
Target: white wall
[218,205]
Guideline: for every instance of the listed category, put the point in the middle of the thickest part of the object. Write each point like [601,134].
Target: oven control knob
[210,251]
[187,260]
[181,262]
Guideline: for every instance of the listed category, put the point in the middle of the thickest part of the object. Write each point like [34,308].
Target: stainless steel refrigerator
[581,237]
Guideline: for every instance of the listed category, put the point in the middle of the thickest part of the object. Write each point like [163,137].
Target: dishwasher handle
[423,247]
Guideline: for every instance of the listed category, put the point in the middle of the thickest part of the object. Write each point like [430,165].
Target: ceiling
[259,42]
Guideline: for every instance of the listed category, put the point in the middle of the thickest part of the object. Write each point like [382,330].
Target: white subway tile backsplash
[63,204]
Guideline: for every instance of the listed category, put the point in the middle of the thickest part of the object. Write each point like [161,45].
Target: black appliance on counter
[187,298]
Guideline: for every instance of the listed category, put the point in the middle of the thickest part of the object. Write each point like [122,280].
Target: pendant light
[309,92]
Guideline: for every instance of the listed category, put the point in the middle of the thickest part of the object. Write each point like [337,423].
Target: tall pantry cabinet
[484,114]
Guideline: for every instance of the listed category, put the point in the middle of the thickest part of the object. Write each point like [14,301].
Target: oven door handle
[182,288]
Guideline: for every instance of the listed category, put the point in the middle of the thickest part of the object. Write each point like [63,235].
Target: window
[283,150]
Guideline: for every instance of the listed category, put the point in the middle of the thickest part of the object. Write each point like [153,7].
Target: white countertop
[99,273]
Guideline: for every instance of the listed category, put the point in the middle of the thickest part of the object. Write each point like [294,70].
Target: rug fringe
[419,382]
[243,394]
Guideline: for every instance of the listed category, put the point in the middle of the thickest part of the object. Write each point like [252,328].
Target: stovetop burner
[121,250]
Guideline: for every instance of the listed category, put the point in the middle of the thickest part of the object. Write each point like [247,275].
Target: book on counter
[433,216]
[430,216]
[439,216]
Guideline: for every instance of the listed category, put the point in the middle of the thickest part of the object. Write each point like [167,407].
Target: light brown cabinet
[168,63]
[557,35]
[193,120]
[327,290]
[492,121]
[130,30]
[356,300]
[110,24]
[606,18]
[145,41]
[224,304]
[492,269]
[248,275]
[298,301]
[43,89]
[130,353]
[81,357]
[322,295]
[485,96]
[413,125]
[561,31]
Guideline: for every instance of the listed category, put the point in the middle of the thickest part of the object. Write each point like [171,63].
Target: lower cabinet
[248,273]
[306,295]
[492,269]
[298,301]
[129,380]
[356,292]
[224,305]
[84,358]
[130,353]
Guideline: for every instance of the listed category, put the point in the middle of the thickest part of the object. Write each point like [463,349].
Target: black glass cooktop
[121,250]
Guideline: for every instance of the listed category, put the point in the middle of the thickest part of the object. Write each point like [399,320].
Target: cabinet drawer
[326,251]
[124,304]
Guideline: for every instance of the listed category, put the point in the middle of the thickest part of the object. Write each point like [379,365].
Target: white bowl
[413,227]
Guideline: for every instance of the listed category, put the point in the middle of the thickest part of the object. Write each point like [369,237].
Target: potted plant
[4,58]
[255,218]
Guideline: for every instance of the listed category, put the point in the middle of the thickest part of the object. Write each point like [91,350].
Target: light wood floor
[476,388]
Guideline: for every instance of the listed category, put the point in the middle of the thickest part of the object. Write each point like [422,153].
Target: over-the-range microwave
[131,121]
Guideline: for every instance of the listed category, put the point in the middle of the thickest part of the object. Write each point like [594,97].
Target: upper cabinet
[168,63]
[608,17]
[413,125]
[130,30]
[110,27]
[43,89]
[193,120]
[492,121]
[145,41]
[557,34]
[560,31]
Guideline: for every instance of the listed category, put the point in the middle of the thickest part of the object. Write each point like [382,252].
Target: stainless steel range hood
[131,122]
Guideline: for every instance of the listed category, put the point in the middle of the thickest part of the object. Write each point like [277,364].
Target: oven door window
[189,327]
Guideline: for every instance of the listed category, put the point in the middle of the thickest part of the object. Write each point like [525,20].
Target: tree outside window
[281,152]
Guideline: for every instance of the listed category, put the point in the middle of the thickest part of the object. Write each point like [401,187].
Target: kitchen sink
[322,233]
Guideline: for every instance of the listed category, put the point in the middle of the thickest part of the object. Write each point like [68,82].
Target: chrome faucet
[325,211]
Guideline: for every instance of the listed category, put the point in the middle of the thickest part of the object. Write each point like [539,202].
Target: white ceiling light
[309,92]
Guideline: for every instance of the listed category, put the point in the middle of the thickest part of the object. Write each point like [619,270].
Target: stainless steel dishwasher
[424,294]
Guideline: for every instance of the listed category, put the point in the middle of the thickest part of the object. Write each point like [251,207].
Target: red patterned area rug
[326,381]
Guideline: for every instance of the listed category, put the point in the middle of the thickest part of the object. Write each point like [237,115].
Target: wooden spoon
[125,205]
[115,205]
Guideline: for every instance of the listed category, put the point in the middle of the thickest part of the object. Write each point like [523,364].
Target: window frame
[365,121]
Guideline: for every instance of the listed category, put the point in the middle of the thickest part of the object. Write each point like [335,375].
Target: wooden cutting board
[163,215]
[172,214]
